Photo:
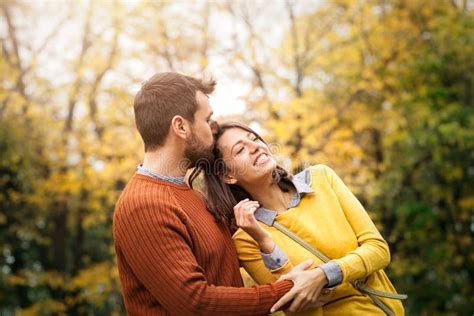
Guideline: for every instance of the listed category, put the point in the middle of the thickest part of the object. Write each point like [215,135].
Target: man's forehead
[201,96]
[203,103]
[209,111]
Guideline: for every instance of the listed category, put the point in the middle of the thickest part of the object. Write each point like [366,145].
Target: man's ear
[229,179]
[180,126]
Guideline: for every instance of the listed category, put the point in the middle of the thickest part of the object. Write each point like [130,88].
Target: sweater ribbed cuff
[282,287]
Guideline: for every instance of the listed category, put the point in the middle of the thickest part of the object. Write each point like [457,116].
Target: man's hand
[324,297]
[308,285]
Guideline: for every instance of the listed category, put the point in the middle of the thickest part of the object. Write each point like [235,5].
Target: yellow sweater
[333,221]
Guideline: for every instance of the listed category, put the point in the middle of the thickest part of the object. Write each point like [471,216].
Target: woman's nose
[253,147]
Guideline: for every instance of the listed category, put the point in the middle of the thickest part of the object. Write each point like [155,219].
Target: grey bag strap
[360,285]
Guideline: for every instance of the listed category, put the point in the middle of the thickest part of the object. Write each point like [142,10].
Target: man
[174,257]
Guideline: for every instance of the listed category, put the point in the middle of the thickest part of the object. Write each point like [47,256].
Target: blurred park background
[380,90]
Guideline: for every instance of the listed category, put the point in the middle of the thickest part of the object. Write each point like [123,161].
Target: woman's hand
[244,213]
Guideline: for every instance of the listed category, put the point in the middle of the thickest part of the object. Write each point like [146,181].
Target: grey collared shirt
[146,172]
[277,258]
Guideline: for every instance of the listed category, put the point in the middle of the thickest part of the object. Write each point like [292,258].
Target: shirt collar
[301,181]
[144,171]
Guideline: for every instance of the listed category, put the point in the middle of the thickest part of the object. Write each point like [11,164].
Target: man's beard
[197,152]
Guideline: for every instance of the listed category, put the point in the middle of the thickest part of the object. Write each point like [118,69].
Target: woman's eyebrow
[249,135]
[240,141]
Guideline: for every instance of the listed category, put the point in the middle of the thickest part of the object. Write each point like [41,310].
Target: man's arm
[156,245]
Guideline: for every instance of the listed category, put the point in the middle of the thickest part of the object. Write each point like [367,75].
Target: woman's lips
[261,159]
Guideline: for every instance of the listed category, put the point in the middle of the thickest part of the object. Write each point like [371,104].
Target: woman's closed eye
[241,149]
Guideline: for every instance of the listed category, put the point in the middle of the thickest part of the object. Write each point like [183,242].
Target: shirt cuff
[274,260]
[333,273]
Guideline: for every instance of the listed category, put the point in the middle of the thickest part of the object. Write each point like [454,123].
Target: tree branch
[295,46]
[17,62]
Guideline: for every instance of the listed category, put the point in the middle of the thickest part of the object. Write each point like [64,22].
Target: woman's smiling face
[246,156]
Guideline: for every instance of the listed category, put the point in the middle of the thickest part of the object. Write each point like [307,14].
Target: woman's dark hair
[220,196]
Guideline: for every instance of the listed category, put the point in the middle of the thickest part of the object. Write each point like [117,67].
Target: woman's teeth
[261,159]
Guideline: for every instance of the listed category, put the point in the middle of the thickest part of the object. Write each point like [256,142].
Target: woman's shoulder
[316,175]
[320,168]
[316,170]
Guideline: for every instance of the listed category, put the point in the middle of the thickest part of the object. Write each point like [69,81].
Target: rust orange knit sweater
[174,258]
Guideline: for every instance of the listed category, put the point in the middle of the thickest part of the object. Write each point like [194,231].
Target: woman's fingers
[244,212]
[240,203]
[238,211]
[238,206]
[246,207]
[250,203]
[248,217]
[250,208]
[245,204]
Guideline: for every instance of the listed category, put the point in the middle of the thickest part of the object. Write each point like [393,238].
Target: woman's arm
[250,257]
[257,251]
[373,253]
[313,294]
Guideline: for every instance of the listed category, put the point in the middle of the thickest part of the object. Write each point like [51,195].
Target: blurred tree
[380,90]
[429,180]
[56,263]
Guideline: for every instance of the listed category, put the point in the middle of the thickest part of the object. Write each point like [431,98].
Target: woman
[316,205]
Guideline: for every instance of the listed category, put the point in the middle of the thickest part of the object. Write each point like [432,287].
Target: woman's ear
[229,179]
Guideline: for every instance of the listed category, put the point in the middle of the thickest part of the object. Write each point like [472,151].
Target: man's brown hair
[161,98]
